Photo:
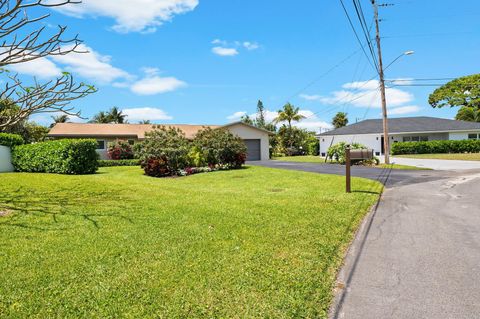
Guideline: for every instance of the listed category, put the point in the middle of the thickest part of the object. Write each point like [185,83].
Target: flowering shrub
[120,150]
[157,167]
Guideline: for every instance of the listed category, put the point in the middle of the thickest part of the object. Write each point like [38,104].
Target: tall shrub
[166,145]
[436,147]
[10,140]
[221,147]
[63,157]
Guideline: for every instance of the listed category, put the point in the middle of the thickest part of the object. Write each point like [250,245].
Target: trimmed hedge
[10,140]
[436,147]
[67,156]
[111,163]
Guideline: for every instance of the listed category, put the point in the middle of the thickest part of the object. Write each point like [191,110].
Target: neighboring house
[406,129]
[256,139]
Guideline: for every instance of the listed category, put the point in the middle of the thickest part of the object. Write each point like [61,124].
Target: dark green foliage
[436,147]
[337,151]
[111,163]
[220,147]
[463,92]
[10,140]
[165,143]
[62,157]
[295,141]
[340,120]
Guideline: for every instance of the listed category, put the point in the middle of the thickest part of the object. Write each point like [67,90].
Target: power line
[363,24]
[374,65]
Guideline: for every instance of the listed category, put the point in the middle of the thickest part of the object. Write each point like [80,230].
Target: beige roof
[117,130]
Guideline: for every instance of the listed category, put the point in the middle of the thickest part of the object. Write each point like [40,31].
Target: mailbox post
[361,154]
[347,170]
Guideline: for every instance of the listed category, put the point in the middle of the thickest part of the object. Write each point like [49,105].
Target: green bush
[337,151]
[10,140]
[166,144]
[111,163]
[221,147]
[63,157]
[436,147]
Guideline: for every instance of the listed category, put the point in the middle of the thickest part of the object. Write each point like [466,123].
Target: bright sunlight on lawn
[255,242]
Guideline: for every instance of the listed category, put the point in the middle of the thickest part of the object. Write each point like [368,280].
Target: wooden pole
[386,141]
[347,170]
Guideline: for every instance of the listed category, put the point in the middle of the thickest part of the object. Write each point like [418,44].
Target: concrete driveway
[417,255]
[436,164]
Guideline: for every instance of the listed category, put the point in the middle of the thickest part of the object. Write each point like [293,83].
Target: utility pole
[386,141]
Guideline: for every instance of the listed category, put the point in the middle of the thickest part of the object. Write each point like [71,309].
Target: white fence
[5,159]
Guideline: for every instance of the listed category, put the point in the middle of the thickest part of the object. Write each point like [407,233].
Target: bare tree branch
[20,43]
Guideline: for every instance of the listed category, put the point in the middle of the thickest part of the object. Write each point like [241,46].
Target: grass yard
[255,242]
[460,157]
[318,159]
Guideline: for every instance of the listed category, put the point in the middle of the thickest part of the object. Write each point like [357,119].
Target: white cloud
[222,51]
[404,110]
[146,113]
[91,65]
[363,94]
[41,68]
[310,97]
[236,116]
[226,48]
[311,122]
[153,84]
[250,45]
[131,16]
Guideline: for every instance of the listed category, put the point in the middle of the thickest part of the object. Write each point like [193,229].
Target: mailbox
[362,154]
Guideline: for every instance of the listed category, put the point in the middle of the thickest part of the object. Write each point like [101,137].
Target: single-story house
[406,129]
[256,139]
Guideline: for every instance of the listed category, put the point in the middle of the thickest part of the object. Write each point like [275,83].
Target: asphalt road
[417,255]
[389,177]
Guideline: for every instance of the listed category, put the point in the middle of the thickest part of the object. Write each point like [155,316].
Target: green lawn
[318,159]
[461,156]
[255,242]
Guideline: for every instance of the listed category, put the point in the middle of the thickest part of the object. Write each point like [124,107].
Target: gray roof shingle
[405,125]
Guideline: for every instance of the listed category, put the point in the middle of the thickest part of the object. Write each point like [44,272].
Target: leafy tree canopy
[340,120]
[464,91]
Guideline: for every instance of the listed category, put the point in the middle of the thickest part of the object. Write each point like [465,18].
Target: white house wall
[249,133]
[5,159]
[371,141]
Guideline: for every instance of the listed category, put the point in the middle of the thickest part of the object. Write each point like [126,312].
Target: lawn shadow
[22,202]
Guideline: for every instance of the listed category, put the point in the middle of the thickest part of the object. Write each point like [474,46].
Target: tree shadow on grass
[61,202]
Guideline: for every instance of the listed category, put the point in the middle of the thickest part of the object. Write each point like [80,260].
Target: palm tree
[101,117]
[116,116]
[468,113]
[340,120]
[144,122]
[59,119]
[289,114]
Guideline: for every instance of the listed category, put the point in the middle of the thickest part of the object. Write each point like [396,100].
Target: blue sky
[209,61]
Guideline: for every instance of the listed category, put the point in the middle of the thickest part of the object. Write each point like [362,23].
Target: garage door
[253,150]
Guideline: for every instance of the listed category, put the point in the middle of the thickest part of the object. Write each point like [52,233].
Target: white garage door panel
[253,149]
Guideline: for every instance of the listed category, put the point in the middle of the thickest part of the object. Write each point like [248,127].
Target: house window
[415,138]
[100,145]
[323,154]
[377,153]
[473,136]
